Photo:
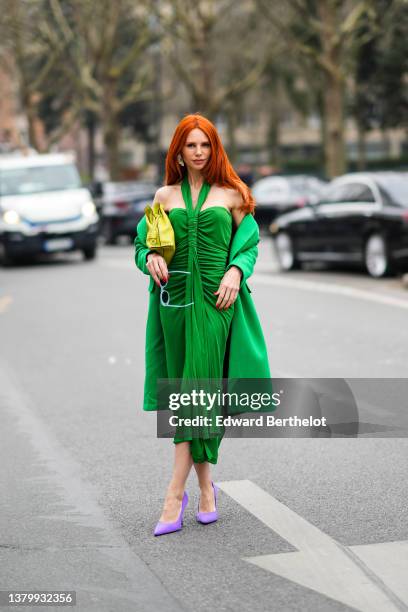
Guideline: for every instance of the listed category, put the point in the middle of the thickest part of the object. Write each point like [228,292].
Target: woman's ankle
[175,491]
[206,486]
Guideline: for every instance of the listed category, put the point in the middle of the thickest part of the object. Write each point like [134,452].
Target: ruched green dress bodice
[195,330]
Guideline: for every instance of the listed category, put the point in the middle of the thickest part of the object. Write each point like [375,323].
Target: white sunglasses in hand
[165,296]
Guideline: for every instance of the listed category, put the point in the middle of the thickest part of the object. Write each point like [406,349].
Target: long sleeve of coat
[246,262]
[141,250]
[245,254]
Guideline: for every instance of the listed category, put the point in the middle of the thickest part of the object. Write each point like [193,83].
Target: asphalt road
[305,524]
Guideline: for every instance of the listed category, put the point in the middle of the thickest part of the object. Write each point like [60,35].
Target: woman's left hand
[229,288]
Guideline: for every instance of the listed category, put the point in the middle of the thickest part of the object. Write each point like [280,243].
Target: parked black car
[275,195]
[121,206]
[362,219]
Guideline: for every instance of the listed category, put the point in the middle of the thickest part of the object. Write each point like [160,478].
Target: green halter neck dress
[195,331]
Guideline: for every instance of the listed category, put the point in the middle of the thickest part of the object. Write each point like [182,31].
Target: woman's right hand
[156,264]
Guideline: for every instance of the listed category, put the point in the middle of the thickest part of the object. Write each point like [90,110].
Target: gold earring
[180,160]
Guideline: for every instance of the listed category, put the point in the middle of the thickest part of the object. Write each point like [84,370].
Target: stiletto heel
[162,528]
[208,517]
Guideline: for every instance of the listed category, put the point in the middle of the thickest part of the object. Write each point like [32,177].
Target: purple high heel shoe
[162,528]
[208,517]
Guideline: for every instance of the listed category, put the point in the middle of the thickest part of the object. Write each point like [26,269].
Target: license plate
[58,244]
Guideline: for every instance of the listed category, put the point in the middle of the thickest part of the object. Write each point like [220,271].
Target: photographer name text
[258,421]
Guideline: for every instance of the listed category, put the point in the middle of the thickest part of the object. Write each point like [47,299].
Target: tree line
[115,64]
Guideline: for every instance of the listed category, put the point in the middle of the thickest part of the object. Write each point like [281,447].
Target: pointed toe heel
[163,528]
[208,517]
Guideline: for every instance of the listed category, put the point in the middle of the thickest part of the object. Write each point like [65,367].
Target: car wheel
[286,252]
[108,233]
[6,259]
[89,253]
[376,257]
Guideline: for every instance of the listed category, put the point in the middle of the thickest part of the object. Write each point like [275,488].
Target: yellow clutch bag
[160,233]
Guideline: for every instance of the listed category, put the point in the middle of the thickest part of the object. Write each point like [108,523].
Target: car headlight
[88,209]
[11,217]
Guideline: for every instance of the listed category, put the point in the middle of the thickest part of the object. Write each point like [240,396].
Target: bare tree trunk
[333,94]
[362,157]
[323,135]
[232,121]
[111,141]
[27,104]
[91,147]
[273,136]
[334,118]
[111,129]
[204,95]
[32,118]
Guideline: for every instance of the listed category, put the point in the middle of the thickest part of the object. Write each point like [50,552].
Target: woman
[202,322]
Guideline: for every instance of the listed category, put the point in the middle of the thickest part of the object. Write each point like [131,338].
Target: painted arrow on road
[370,578]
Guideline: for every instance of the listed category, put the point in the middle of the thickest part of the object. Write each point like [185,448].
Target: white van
[44,208]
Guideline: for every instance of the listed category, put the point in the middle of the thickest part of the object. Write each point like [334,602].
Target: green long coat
[247,355]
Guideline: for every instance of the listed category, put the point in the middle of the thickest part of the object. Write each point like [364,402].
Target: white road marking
[352,292]
[129,264]
[359,579]
[389,560]
[278,280]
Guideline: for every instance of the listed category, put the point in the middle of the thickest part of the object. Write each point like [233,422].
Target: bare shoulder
[168,195]
[226,195]
[163,194]
[235,202]
[236,199]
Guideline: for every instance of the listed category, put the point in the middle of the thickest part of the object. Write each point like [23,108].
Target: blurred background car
[362,220]
[44,208]
[121,206]
[276,195]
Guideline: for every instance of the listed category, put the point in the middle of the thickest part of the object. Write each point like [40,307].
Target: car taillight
[405,216]
[122,205]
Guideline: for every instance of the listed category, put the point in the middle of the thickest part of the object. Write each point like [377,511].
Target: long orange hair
[218,170]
